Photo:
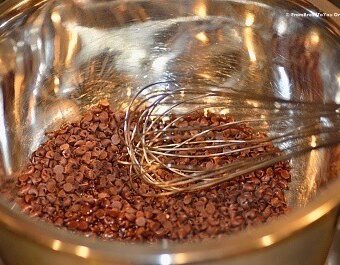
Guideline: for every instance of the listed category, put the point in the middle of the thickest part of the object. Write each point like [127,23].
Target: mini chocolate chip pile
[80,179]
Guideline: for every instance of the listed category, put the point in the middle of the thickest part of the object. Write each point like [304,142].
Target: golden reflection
[200,9]
[315,38]
[267,240]
[125,105]
[56,245]
[18,90]
[313,166]
[56,82]
[204,75]
[313,141]
[82,251]
[128,92]
[72,45]
[202,37]
[252,103]
[225,111]
[250,18]
[316,214]
[32,108]
[206,112]
[249,42]
[56,17]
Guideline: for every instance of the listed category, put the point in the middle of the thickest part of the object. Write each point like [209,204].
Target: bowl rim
[47,236]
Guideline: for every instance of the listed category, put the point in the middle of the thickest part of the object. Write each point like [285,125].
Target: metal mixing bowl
[57,58]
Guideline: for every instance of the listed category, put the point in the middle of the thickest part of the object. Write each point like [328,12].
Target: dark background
[336,2]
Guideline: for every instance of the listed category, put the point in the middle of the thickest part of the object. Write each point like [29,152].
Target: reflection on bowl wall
[61,57]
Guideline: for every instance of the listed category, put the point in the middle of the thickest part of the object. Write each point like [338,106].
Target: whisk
[183,139]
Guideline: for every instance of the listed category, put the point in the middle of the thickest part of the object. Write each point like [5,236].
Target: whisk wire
[162,149]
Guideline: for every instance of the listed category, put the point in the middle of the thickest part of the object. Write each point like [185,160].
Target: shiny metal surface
[150,149]
[60,57]
[334,254]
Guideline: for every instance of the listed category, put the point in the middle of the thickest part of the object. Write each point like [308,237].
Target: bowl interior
[68,55]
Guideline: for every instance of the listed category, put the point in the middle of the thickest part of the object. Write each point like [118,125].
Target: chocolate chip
[49,154]
[187,199]
[275,202]
[116,204]
[58,169]
[83,226]
[23,177]
[251,214]
[72,225]
[80,150]
[51,185]
[64,147]
[210,208]
[87,117]
[130,216]
[115,139]
[68,187]
[51,198]
[59,177]
[103,195]
[248,187]
[100,214]
[103,116]
[80,143]
[113,212]
[285,174]
[90,144]
[237,221]
[140,221]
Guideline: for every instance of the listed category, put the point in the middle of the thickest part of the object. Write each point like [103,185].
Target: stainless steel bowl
[57,58]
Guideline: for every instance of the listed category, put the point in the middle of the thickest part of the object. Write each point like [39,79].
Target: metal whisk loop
[183,139]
